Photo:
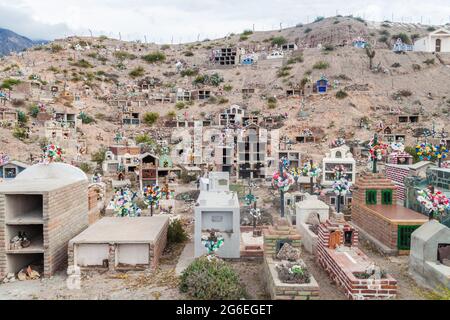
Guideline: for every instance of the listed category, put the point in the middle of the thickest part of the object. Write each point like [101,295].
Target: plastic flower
[339,171]
[123,204]
[425,151]
[212,243]
[282,182]
[52,153]
[377,150]
[441,151]
[341,186]
[152,195]
[397,147]
[436,202]
[311,171]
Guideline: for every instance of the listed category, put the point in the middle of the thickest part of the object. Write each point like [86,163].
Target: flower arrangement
[212,242]
[249,199]
[337,142]
[435,202]
[425,151]
[339,171]
[282,182]
[397,147]
[311,170]
[377,149]
[52,153]
[152,195]
[123,204]
[341,186]
[441,151]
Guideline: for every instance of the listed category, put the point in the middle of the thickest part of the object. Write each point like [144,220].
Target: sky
[175,21]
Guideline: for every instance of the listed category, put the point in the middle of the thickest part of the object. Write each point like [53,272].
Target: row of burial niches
[24,232]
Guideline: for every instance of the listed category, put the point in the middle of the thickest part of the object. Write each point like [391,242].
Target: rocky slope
[402,83]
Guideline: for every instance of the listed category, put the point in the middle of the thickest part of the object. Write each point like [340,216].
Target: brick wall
[65,216]
[283,291]
[367,219]
[280,231]
[372,181]
[157,248]
[357,289]
[377,227]
[397,175]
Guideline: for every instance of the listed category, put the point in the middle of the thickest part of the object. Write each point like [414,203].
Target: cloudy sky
[187,20]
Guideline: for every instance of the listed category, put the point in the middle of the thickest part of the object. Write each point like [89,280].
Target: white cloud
[159,20]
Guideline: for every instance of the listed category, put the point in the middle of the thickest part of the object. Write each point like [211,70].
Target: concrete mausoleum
[120,244]
[218,210]
[429,260]
[310,206]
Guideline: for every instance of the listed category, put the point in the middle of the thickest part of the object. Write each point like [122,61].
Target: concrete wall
[133,254]
[231,244]
[423,264]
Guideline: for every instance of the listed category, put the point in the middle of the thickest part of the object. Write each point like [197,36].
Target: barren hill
[89,72]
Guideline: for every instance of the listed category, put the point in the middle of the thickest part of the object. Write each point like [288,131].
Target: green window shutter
[404,236]
[386,196]
[371,196]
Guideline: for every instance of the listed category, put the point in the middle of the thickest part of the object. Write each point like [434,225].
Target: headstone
[288,252]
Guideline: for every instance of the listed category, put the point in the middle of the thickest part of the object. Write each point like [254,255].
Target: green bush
[20,133]
[180,105]
[154,57]
[188,53]
[247,32]
[188,73]
[122,55]
[341,94]
[85,167]
[211,280]
[328,47]
[216,79]
[295,59]
[429,61]
[99,156]
[279,41]
[321,65]
[143,138]
[171,114]
[319,19]
[227,87]
[308,30]
[403,36]
[243,38]
[383,39]
[137,72]
[56,48]
[85,119]
[151,117]
[22,117]
[9,83]
[176,232]
[34,110]
[82,64]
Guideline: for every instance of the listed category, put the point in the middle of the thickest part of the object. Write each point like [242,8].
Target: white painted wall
[133,253]
[90,254]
